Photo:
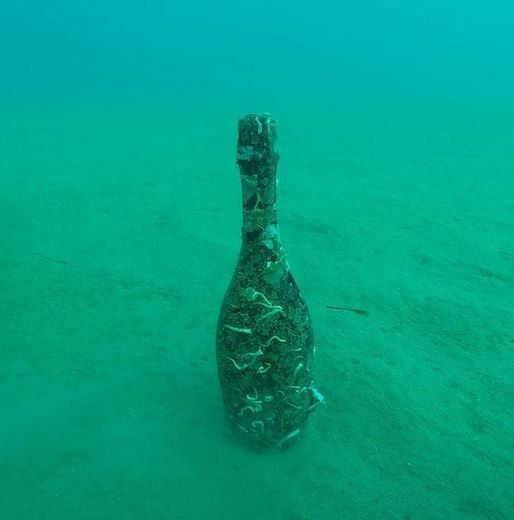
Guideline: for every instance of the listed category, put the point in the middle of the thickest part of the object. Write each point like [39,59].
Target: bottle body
[264,339]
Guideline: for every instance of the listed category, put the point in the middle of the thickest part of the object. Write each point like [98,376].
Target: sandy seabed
[120,233]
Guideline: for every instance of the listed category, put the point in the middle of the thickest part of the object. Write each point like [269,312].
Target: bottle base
[267,443]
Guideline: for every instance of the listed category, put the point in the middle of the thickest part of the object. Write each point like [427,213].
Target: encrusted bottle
[264,340]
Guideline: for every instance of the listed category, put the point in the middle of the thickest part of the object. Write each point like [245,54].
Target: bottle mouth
[256,137]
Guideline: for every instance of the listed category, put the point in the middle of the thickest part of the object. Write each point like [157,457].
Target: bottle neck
[259,202]
[258,160]
[262,254]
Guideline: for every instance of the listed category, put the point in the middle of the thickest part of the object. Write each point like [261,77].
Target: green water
[120,215]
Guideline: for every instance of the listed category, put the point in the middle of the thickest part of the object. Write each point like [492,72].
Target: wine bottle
[264,339]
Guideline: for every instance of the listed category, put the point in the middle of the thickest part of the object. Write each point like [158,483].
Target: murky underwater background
[120,215]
